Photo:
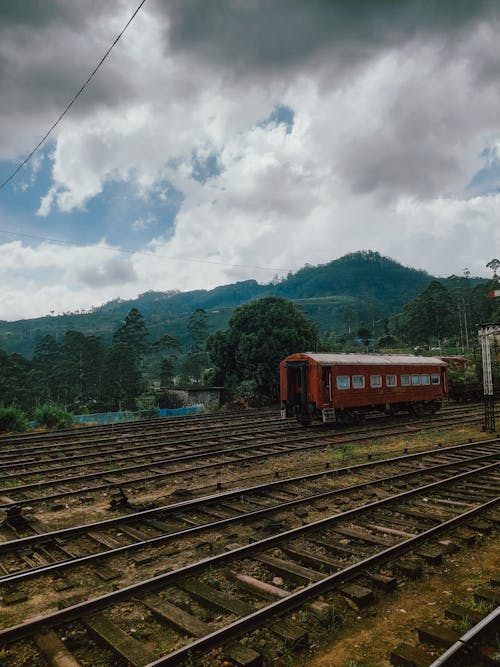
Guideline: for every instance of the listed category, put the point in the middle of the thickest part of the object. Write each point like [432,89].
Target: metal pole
[488,397]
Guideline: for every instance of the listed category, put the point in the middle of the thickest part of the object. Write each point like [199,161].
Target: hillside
[356,289]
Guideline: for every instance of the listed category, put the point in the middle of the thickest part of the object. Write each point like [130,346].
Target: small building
[210,397]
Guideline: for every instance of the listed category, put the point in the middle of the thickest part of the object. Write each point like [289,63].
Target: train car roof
[353,359]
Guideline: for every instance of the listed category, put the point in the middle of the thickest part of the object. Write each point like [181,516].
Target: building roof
[374,359]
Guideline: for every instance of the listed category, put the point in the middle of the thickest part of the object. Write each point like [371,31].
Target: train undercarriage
[307,413]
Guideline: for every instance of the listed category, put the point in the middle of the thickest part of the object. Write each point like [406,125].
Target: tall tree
[132,332]
[260,334]
[432,315]
[122,376]
[196,358]
[45,370]
[122,382]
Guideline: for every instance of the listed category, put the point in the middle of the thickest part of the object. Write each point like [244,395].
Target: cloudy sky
[230,139]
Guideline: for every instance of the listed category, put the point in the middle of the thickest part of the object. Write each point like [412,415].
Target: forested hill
[356,288]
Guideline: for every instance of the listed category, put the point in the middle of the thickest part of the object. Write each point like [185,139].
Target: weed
[12,419]
[52,416]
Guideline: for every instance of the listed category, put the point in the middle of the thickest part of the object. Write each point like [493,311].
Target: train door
[326,385]
[443,380]
[296,383]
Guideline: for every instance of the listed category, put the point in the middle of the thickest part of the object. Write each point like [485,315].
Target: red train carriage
[342,388]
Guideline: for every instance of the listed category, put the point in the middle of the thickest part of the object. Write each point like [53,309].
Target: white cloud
[385,139]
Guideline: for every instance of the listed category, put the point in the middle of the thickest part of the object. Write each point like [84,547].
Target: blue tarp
[127,415]
[111,417]
[175,412]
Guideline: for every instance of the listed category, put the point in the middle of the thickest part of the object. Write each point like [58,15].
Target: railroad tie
[181,620]
[486,595]
[411,567]
[409,656]
[243,656]
[456,612]
[214,598]
[118,641]
[289,569]
[318,561]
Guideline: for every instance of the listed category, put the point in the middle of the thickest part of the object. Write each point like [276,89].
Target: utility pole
[485,331]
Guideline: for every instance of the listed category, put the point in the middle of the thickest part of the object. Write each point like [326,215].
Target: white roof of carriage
[375,359]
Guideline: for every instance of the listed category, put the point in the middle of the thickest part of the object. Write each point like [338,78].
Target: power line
[126,251]
[75,97]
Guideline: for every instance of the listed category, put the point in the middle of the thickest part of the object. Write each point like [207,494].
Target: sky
[223,140]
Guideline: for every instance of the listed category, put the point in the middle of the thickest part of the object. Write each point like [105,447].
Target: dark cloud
[115,272]
[17,15]
[47,51]
[273,33]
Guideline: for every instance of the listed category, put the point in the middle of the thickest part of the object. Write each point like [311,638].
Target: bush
[53,417]
[147,407]
[12,419]
[247,393]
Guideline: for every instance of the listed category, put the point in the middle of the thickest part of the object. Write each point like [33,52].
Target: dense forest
[108,359]
[346,292]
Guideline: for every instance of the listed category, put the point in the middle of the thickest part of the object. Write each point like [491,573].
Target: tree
[132,333]
[198,326]
[494,265]
[167,372]
[433,314]
[122,378]
[196,358]
[45,370]
[122,382]
[260,334]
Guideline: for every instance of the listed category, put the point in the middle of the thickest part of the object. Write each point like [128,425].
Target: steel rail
[222,523]
[139,424]
[144,466]
[131,436]
[38,485]
[296,599]
[33,625]
[133,430]
[468,639]
[185,444]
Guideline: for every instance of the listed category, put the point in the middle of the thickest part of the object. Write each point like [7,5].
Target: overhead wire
[141,252]
[75,97]
[88,245]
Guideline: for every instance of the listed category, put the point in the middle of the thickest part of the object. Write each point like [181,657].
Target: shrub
[12,419]
[247,393]
[147,407]
[52,416]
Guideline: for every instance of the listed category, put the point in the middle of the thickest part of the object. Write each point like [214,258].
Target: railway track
[338,555]
[466,637]
[26,483]
[91,441]
[22,558]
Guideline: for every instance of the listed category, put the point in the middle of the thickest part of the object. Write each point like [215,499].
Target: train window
[435,378]
[405,380]
[358,381]
[391,381]
[375,380]
[425,379]
[343,382]
[415,379]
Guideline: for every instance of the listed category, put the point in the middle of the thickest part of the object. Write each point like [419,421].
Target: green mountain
[362,288]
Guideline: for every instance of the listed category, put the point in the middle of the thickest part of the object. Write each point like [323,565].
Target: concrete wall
[208,396]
